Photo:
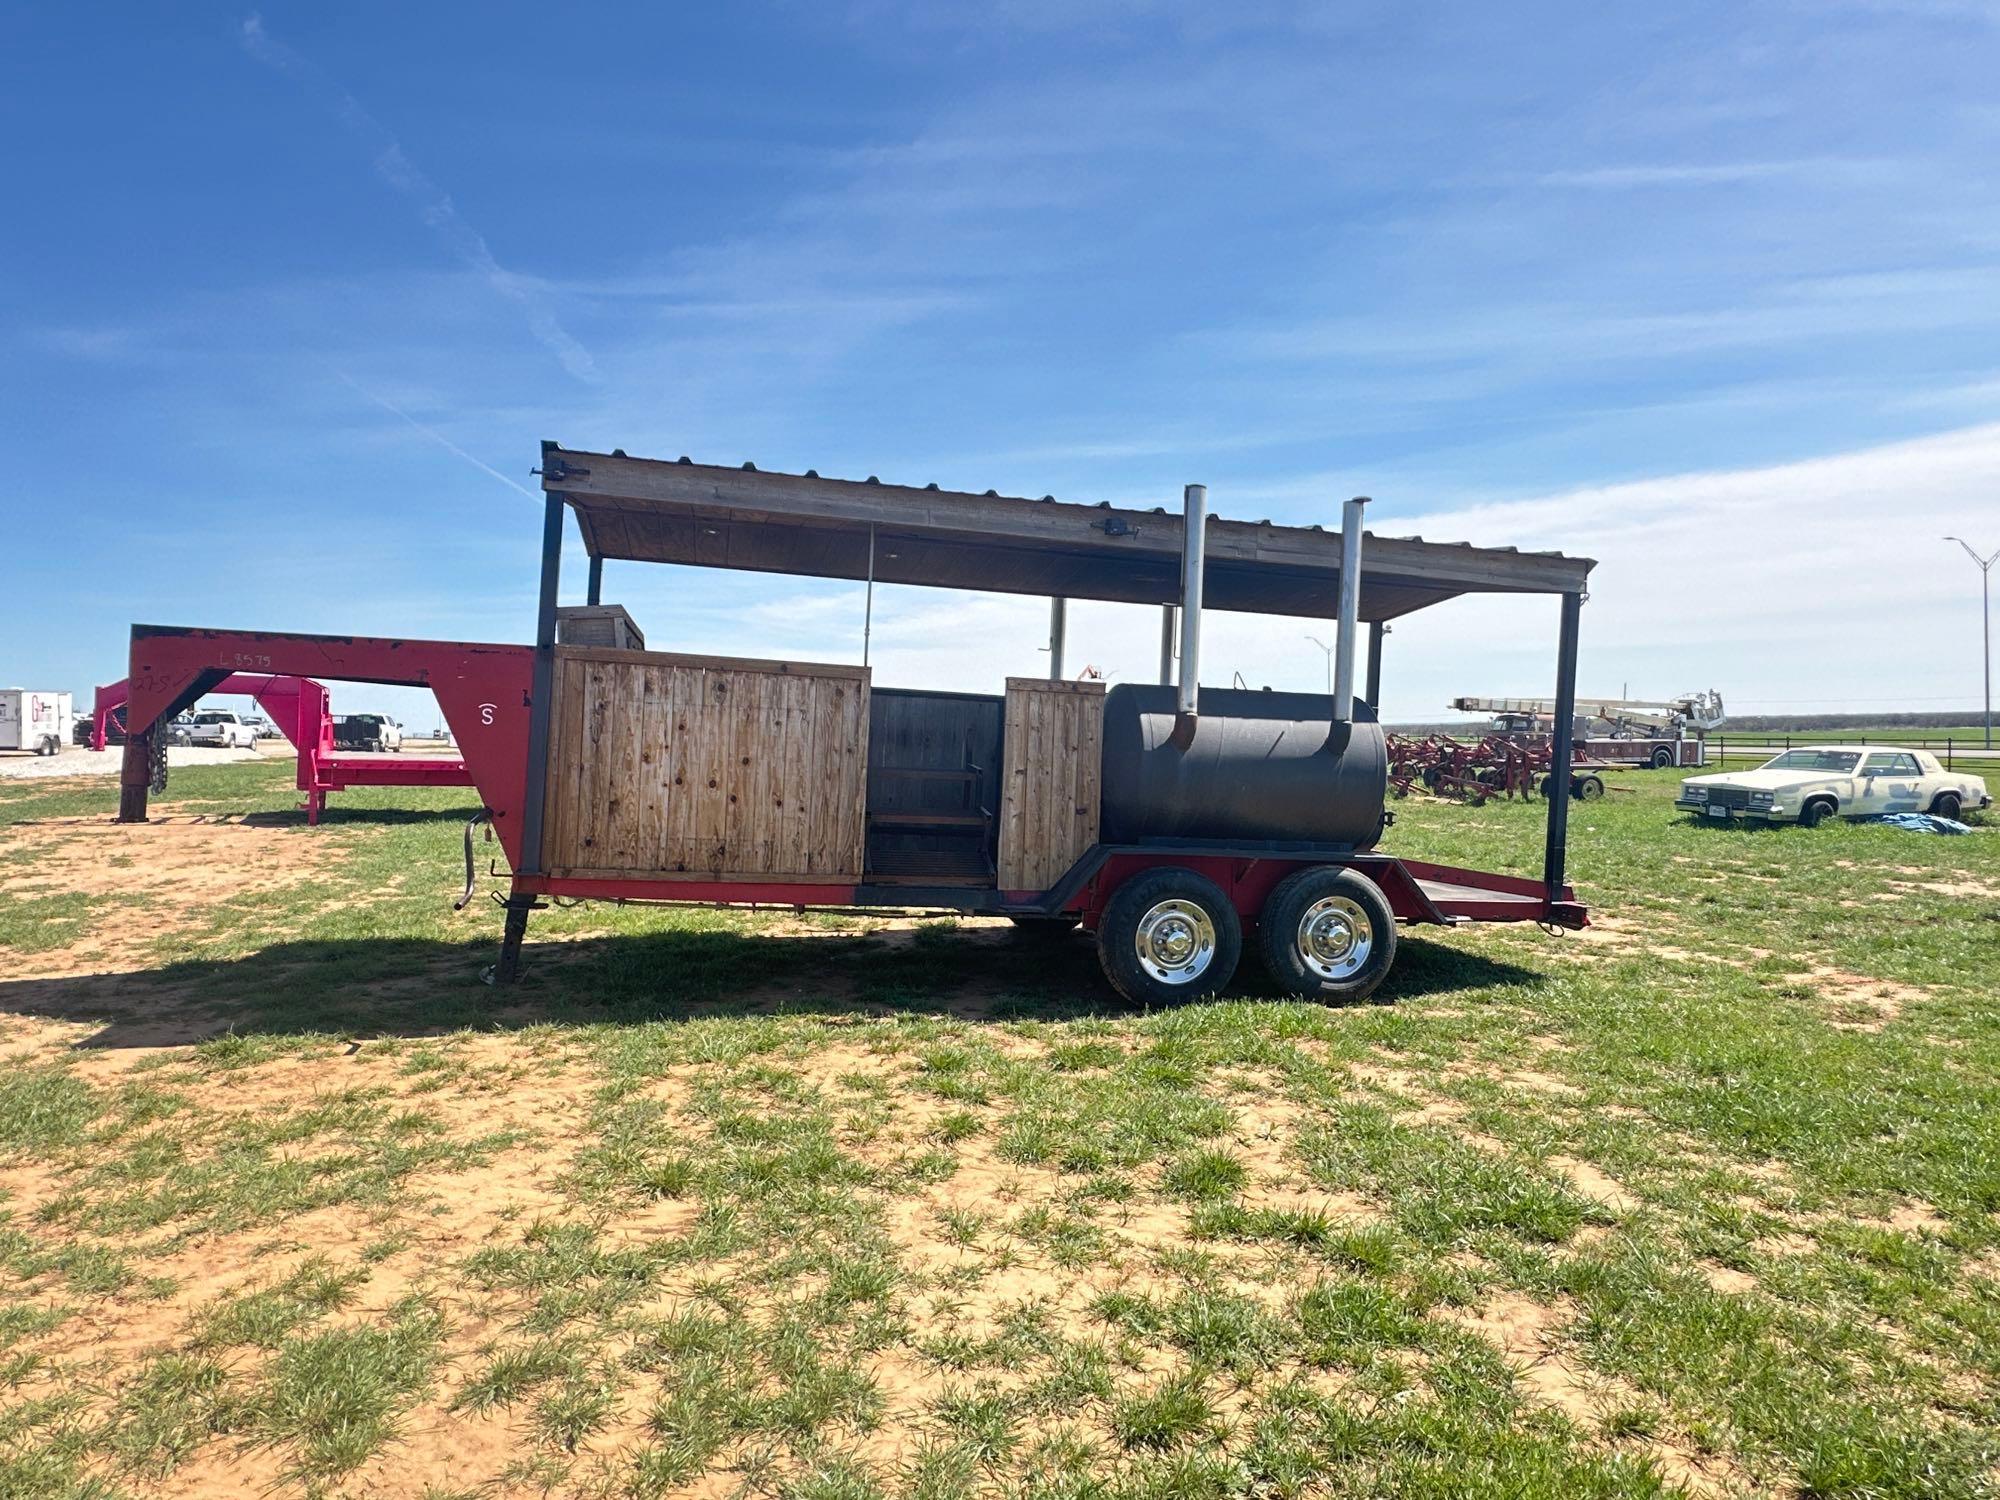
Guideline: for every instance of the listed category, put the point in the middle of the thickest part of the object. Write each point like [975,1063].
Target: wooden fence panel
[1051,779]
[667,766]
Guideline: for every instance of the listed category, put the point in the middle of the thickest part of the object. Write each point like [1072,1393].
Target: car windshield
[1833,762]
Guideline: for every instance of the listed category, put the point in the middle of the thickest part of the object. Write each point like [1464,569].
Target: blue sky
[1706,291]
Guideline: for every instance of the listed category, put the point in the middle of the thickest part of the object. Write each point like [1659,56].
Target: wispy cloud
[434,435]
[434,206]
[1669,174]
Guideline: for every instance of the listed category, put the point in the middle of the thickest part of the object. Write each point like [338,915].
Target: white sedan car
[1828,781]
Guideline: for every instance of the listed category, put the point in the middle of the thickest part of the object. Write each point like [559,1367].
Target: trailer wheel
[1589,788]
[1168,935]
[1328,932]
[1662,757]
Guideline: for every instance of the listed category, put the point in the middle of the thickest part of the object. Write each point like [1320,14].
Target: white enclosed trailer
[34,721]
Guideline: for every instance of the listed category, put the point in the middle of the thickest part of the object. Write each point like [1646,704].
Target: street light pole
[1329,661]
[1985,624]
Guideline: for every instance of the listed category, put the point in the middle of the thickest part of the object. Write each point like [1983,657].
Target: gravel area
[75,760]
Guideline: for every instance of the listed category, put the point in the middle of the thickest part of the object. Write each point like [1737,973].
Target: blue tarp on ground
[1924,823]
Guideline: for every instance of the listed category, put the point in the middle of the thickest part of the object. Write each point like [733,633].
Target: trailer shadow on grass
[367,987]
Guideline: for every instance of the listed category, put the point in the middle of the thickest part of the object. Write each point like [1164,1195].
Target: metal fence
[1957,752]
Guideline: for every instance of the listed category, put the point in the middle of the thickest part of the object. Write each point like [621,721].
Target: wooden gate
[1050,786]
[705,767]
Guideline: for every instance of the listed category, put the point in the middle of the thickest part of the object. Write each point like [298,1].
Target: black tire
[1662,757]
[1154,912]
[1328,907]
[1946,805]
[1817,811]
[1589,788]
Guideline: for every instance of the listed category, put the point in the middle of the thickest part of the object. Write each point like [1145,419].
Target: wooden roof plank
[658,511]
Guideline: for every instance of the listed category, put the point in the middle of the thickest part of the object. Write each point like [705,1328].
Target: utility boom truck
[1614,731]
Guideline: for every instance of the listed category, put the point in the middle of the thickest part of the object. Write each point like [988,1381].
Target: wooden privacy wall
[1049,789]
[693,766]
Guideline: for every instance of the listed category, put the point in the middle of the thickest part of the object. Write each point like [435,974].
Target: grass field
[1706,1200]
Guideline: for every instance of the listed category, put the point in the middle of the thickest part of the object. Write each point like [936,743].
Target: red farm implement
[298,707]
[1475,771]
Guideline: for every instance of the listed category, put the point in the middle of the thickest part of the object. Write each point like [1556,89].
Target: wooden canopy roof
[657,510]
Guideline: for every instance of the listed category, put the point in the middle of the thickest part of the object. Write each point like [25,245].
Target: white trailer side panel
[30,720]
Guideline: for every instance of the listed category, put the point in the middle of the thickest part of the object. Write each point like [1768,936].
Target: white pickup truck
[218,728]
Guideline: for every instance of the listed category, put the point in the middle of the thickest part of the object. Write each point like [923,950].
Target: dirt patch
[1607,930]
[1726,1279]
[1855,1002]
[1911,1217]
[1595,1184]
[1529,1336]
[175,868]
[1535,1082]
[1781,1246]
[455,1452]
[1699,1474]
[1436,1112]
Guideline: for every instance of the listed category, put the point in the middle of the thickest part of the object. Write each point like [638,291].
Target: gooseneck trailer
[1168,819]
[299,707]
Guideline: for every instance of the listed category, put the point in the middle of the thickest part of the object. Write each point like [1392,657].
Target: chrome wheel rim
[1335,937]
[1175,942]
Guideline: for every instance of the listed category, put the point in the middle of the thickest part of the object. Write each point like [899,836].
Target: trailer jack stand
[508,970]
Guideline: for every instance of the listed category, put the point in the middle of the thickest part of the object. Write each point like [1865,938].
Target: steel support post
[1555,849]
[1166,645]
[135,775]
[1058,629]
[508,969]
[596,594]
[543,686]
[1376,630]
[1194,547]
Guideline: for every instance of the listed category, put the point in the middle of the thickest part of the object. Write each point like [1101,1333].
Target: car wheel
[1328,932]
[1817,811]
[1169,935]
[1662,758]
[1947,805]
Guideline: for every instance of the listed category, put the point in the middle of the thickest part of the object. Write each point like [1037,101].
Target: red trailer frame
[298,707]
[498,698]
